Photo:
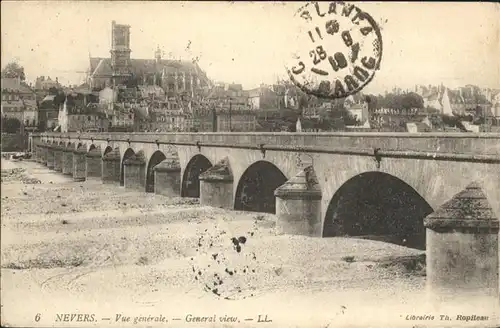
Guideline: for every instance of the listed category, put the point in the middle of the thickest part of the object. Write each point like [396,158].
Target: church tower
[120,52]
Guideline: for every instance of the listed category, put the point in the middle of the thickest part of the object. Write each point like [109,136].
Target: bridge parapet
[456,143]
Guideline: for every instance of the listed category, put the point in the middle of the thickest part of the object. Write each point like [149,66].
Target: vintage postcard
[250,164]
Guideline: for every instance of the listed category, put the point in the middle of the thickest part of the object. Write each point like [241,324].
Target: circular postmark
[340,49]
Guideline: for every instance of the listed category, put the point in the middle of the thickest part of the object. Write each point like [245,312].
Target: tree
[10,125]
[289,115]
[303,99]
[393,101]
[13,70]
[450,120]
[412,100]
[372,102]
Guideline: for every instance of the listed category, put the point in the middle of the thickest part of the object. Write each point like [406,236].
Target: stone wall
[477,143]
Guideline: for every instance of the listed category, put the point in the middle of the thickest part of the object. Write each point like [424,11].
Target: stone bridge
[370,185]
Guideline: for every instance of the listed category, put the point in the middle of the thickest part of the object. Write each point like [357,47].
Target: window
[88,118]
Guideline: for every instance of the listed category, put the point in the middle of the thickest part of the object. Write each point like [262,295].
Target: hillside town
[126,94]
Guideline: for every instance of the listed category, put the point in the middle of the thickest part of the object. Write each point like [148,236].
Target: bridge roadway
[318,184]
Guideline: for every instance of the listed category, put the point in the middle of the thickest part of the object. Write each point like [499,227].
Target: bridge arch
[191,177]
[129,152]
[255,191]
[155,159]
[378,205]
[107,150]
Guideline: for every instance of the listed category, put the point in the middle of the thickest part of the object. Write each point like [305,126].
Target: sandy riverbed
[101,250]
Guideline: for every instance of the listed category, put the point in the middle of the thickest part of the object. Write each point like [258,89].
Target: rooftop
[15,85]
[102,67]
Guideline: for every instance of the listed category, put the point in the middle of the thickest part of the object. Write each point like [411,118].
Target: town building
[236,121]
[460,101]
[418,127]
[496,105]
[120,116]
[200,121]
[357,107]
[48,112]
[80,113]
[263,98]
[226,95]
[42,83]
[164,116]
[19,102]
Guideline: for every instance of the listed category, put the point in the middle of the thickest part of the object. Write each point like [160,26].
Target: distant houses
[19,102]
[460,101]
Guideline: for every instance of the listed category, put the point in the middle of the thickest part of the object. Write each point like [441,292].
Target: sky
[248,43]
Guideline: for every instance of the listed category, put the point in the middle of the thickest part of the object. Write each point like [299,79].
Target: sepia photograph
[250,164]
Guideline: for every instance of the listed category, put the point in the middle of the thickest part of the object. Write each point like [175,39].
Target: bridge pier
[167,177]
[36,151]
[41,153]
[50,157]
[298,205]
[216,186]
[67,161]
[462,249]
[57,158]
[111,167]
[93,164]
[135,172]
[79,164]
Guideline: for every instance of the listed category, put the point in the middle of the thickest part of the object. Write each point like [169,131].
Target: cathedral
[173,76]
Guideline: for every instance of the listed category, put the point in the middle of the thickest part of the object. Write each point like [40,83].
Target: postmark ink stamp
[339,49]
